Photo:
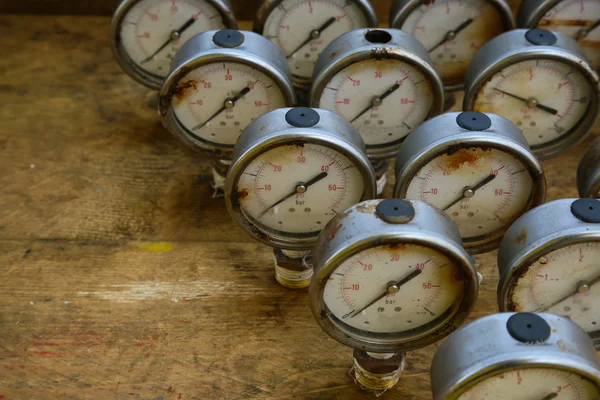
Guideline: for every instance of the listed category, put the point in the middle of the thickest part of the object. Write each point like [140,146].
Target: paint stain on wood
[156,247]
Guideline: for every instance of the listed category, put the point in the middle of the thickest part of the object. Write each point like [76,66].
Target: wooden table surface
[120,276]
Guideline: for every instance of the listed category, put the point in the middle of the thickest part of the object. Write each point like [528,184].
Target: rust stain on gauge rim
[469,156]
[552,24]
[336,225]
[512,304]
[521,237]
[242,194]
[183,89]
[395,248]
[368,208]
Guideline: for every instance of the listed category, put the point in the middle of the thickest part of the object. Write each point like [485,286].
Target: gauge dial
[384,99]
[153,30]
[547,99]
[453,31]
[298,188]
[303,28]
[580,20]
[391,289]
[535,384]
[564,282]
[482,190]
[216,102]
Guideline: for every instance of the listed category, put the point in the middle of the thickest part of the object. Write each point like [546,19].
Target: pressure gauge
[516,356]
[588,172]
[578,19]
[381,81]
[539,80]
[146,34]
[221,81]
[303,28]
[293,170]
[548,262]
[391,275]
[452,30]
[475,167]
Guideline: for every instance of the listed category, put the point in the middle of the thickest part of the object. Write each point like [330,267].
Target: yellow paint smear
[156,247]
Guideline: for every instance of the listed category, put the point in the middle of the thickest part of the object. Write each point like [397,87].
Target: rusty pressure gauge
[292,171]
[549,262]
[578,19]
[542,82]
[516,356]
[303,28]
[452,30]
[390,276]
[477,168]
[146,34]
[382,82]
[219,82]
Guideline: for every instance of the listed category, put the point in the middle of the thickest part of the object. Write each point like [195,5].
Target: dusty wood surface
[244,9]
[120,276]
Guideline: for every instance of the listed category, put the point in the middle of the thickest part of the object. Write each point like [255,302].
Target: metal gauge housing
[588,172]
[549,262]
[578,19]
[146,34]
[516,356]
[475,167]
[382,82]
[303,28]
[391,276]
[292,171]
[220,81]
[541,81]
[452,30]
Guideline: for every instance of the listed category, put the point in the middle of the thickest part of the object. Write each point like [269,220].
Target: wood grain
[120,276]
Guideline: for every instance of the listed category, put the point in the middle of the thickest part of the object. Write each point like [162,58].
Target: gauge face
[393,289]
[452,31]
[534,383]
[303,28]
[384,99]
[579,20]
[216,102]
[153,30]
[295,189]
[482,190]
[547,99]
[564,282]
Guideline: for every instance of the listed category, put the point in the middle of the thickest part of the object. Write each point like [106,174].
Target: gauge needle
[376,101]
[584,32]
[451,35]
[300,188]
[469,192]
[582,287]
[550,396]
[392,287]
[531,102]
[176,34]
[228,103]
[313,35]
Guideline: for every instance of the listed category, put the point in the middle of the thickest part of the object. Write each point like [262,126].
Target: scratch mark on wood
[174,291]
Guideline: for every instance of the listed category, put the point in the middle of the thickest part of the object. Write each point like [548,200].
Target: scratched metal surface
[120,276]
